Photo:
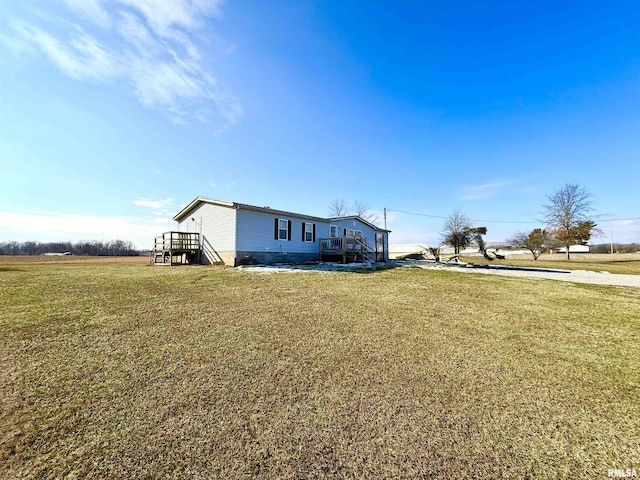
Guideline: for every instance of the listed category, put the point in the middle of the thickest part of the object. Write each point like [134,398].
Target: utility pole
[385,218]
[611,240]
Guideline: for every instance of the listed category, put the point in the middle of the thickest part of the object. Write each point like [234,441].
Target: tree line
[120,248]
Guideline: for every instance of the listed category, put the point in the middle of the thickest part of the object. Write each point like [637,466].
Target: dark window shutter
[314,232]
[303,227]
[345,232]
[289,230]
[275,233]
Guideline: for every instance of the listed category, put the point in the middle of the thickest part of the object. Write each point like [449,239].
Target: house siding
[218,232]
[256,239]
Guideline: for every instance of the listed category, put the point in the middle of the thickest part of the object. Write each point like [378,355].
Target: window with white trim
[334,231]
[283,229]
[307,232]
[353,233]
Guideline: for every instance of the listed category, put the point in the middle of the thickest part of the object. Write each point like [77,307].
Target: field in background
[625,263]
[111,368]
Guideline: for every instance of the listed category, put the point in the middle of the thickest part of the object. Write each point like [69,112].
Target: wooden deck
[176,248]
[350,248]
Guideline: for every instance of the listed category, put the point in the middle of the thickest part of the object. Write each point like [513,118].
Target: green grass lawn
[113,369]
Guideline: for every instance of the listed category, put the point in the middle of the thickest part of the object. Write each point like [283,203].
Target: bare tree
[537,242]
[362,210]
[567,215]
[456,231]
[338,208]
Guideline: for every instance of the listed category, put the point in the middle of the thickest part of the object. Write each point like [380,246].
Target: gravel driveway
[578,276]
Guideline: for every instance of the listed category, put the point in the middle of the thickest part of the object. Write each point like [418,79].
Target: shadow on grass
[11,269]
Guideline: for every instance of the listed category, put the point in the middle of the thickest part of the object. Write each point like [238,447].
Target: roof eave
[196,201]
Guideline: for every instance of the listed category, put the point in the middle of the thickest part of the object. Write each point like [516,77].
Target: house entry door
[379,247]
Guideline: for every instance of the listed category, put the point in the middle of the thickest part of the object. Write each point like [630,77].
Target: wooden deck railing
[176,248]
[347,246]
[177,241]
[343,244]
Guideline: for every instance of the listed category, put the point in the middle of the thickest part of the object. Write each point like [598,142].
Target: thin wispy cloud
[484,190]
[149,45]
[81,57]
[159,206]
[89,10]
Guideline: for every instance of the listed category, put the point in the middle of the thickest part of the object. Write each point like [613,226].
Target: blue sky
[114,114]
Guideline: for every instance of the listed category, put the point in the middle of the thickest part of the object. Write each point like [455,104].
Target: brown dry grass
[119,370]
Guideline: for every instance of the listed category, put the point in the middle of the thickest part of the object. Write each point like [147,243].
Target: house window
[353,233]
[334,231]
[308,232]
[282,229]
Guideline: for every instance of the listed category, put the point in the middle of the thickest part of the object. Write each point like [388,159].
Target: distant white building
[448,250]
[407,249]
[573,249]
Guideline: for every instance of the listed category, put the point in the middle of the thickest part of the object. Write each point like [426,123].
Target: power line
[419,214]
[444,218]
[618,219]
[415,213]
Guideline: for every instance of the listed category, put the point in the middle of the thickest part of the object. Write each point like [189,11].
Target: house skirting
[268,258]
[236,259]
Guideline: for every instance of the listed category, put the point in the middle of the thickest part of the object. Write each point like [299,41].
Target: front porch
[176,248]
[349,249]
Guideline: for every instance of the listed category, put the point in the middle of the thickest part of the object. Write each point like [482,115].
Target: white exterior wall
[217,225]
[575,249]
[255,233]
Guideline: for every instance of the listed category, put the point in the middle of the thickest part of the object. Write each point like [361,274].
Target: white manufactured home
[220,232]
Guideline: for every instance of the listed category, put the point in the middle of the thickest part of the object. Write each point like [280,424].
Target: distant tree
[362,210]
[338,208]
[477,237]
[583,232]
[30,248]
[617,248]
[10,248]
[567,214]
[538,241]
[456,232]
